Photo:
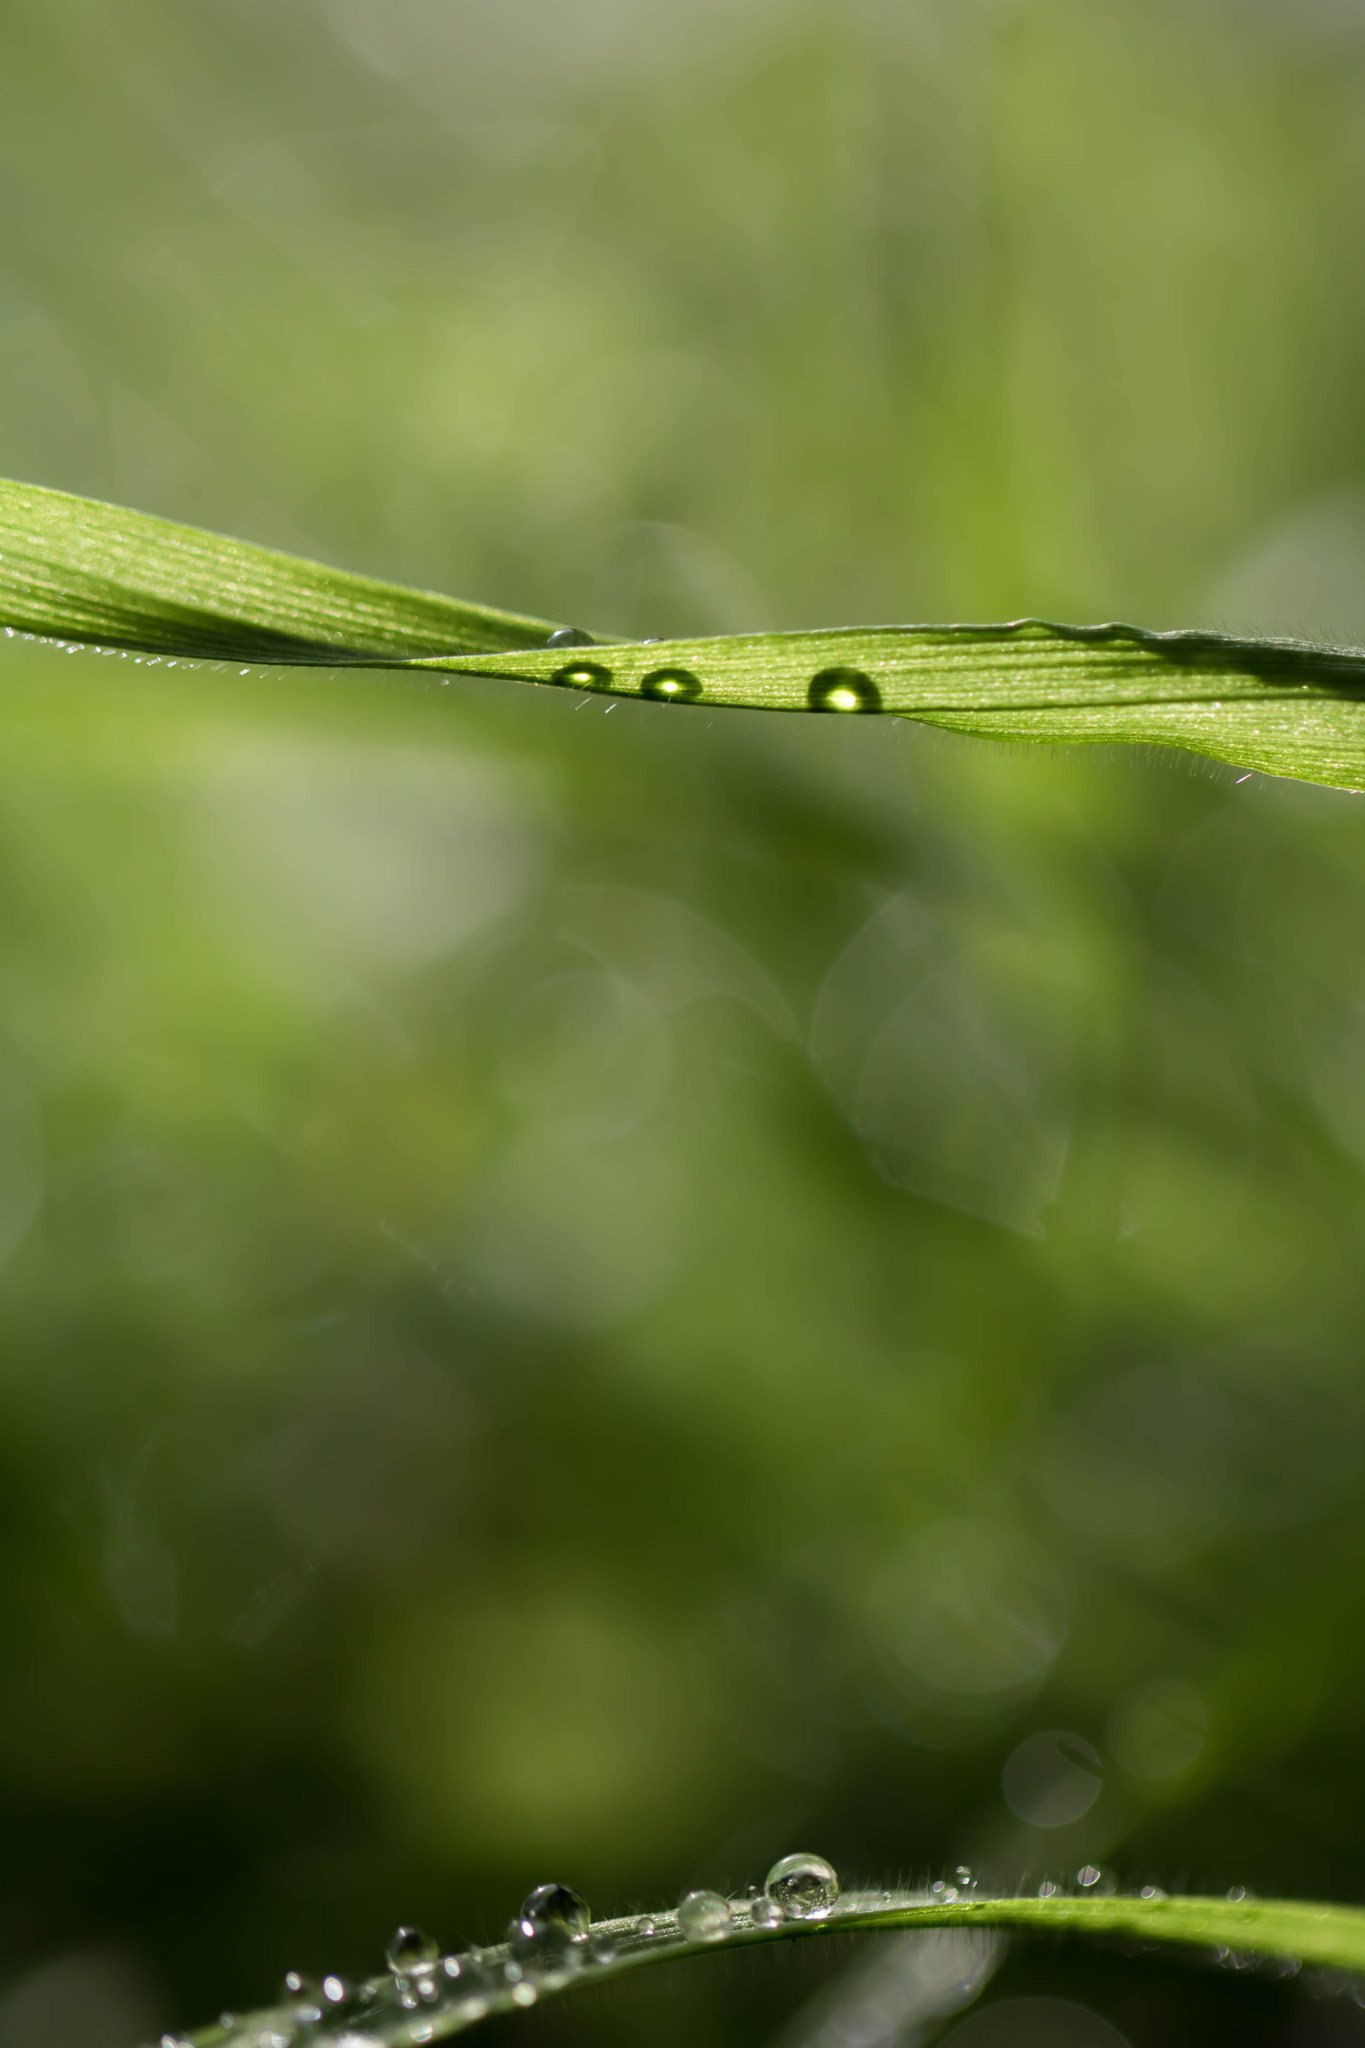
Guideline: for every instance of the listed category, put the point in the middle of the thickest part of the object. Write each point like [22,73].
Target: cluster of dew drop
[833,689]
[552,1940]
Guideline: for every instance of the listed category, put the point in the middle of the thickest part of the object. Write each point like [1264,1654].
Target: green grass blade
[486,1981]
[1281,706]
[76,569]
[79,571]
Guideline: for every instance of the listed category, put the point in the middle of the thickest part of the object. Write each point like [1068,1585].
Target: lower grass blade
[1280,706]
[449,1994]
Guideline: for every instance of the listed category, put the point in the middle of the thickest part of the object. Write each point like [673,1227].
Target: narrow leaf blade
[79,570]
[469,1987]
[1281,706]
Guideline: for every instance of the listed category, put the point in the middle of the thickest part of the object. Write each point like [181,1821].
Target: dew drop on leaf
[672,686]
[550,1921]
[802,1885]
[583,675]
[704,1916]
[556,1905]
[843,689]
[765,1912]
[570,636]
[410,1949]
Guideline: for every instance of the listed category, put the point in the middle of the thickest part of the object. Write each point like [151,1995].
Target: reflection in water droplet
[672,686]
[765,1912]
[570,636]
[802,1885]
[1088,1875]
[583,675]
[409,1948]
[843,689]
[704,1916]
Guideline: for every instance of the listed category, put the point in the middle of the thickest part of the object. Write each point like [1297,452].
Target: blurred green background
[597,1292]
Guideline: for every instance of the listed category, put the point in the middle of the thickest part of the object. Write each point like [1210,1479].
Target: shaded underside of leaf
[471,1987]
[83,572]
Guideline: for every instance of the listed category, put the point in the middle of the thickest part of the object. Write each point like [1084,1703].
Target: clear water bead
[843,689]
[410,1949]
[551,1922]
[765,1912]
[556,1905]
[704,1916]
[802,1885]
[570,636]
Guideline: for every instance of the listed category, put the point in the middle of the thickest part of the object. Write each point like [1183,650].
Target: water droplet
[964,1876]
[552,1919]
[765,1912]
[524,1994]
[653,640]
[409,1948]
[802,1885]
[601,1949]
[704,1916]
[1238,1892]
[672,686]
[1087,1875]
[296,1985]
[843,689]
[570,636]
[1151,1891]
[644,1926]
[556,1905]
[334,1989]
[583,675]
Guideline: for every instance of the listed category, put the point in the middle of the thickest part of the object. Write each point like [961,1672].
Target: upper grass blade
[79,571]
[76,569]
[447,1995]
